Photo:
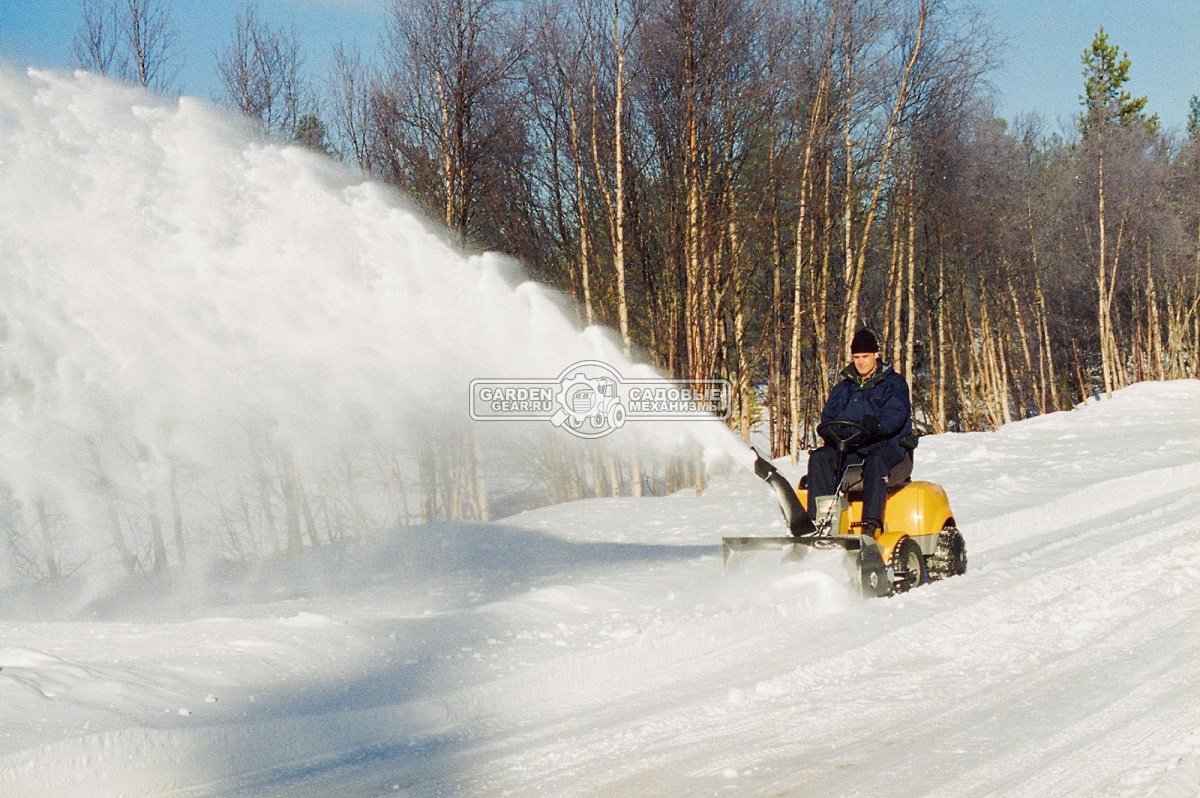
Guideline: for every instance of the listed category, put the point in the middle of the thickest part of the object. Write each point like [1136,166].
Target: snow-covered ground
[598,648]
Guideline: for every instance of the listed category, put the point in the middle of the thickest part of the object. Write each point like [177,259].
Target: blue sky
[39,32]
[1046,38]
[1041,73]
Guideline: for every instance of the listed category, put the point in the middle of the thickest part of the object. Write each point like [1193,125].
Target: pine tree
[310,132]
[1106,103]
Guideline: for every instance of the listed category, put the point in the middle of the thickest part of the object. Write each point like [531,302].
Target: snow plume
[204,332]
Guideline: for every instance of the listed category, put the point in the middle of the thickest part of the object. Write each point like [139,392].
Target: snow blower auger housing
[920,540]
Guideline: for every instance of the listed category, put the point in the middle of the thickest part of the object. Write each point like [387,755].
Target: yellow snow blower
[919,542]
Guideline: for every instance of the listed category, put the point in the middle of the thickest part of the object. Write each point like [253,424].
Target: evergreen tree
[1106,103]
[1193,121]
[310,132]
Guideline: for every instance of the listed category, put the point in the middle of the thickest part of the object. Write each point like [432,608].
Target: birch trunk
[855,273]
[794,384]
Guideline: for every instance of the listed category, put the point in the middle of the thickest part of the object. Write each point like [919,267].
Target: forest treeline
[736,185]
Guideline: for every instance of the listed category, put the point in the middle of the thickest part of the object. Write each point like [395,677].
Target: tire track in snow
[1089,504]
[1003,682]
[1046,601]
[1033,584]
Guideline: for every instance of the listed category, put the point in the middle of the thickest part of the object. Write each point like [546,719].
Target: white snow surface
[598,648]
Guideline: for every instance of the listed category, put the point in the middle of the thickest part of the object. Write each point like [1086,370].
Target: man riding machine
[858,492]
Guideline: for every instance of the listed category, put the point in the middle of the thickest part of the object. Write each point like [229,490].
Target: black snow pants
[823,477]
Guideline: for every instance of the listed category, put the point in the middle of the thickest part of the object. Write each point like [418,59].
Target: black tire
[950,557]
[872,572]
[908,565]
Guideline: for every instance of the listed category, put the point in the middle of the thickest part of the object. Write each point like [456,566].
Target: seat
[900,475]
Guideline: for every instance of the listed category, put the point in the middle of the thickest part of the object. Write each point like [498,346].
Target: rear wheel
[950,557]
[908,565]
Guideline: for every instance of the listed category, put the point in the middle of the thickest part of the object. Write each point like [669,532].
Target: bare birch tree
[134,40]
[260,73]
[95,43]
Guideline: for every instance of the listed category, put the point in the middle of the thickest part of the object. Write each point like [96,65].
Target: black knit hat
[864,342]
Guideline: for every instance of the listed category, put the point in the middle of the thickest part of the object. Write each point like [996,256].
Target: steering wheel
[842,433]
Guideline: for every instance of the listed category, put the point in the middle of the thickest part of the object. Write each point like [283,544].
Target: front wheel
[908,565]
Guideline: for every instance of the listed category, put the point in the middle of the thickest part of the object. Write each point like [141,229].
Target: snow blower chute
[920,540]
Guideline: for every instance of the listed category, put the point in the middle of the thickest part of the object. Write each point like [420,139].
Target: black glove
[870,425]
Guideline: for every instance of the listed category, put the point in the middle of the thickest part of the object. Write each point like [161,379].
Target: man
[873,395]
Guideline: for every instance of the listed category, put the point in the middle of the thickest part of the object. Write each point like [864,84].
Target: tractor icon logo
[588,406]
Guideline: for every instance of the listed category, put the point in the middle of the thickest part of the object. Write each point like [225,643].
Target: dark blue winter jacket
[883,395]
